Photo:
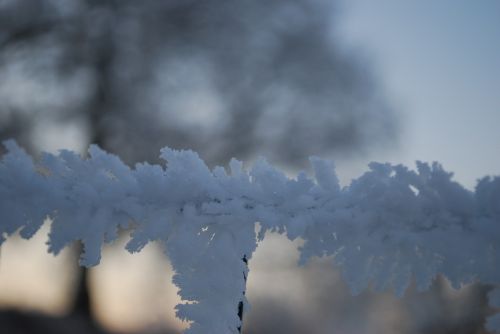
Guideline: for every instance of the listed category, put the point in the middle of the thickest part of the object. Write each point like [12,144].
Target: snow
[387,226]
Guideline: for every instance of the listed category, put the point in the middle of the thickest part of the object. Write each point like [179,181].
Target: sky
[437,63]
[440,62]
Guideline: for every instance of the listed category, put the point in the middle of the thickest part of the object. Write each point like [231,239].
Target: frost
[387,226]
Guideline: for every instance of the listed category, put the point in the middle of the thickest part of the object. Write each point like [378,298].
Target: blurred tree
[222,77]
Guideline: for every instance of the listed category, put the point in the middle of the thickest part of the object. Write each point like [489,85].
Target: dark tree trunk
[102,61]
[82,304]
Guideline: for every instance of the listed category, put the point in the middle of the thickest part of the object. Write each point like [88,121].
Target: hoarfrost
[389,225]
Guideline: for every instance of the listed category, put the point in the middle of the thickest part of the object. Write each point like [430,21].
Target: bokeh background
[353,81]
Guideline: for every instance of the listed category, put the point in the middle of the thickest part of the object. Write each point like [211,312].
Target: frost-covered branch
[390,224]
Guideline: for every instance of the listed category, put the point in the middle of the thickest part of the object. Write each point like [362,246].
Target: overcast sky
[440,61]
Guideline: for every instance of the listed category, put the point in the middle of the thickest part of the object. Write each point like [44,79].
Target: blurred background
[353,81]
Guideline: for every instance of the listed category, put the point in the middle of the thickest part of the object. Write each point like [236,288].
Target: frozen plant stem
[240,304]
[389,226]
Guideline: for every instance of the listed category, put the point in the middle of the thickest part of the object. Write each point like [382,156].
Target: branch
[390,224]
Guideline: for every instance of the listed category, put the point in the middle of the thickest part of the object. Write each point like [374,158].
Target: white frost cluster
[389,225]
